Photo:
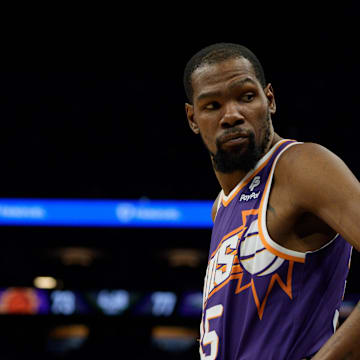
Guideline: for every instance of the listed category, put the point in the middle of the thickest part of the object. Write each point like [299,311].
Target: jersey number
[210,337]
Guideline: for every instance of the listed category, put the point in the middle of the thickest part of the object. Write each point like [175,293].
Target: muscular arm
[324,186]
[320,183]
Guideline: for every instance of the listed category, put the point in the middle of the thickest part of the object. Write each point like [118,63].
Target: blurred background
[93,122]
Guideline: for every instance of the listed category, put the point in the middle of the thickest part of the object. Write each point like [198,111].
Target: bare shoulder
[306,153]
[308,160]
[215,207]
[313,174]
[312,179]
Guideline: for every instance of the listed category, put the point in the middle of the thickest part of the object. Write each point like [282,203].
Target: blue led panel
[112,213]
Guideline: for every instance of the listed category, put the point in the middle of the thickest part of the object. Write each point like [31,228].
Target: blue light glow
[106,213]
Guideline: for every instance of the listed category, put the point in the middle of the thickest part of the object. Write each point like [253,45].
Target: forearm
[345,343]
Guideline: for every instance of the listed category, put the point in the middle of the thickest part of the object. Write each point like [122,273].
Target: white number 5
[210,337]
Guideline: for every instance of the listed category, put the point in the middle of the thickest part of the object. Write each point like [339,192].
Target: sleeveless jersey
[261,300]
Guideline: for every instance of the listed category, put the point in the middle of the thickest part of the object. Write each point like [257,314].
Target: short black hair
[216,53]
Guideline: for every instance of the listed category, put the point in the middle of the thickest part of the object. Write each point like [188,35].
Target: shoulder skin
[318,181]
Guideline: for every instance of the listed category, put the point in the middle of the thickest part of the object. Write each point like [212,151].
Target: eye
[248,97]
[214,105]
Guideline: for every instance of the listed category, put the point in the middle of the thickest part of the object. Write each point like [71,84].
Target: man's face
[231,111]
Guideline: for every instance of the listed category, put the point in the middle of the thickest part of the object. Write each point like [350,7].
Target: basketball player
[278,257]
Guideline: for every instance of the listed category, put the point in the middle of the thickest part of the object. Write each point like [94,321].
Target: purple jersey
[261,300]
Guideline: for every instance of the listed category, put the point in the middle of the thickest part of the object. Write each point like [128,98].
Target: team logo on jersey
[255,182]
[241,256]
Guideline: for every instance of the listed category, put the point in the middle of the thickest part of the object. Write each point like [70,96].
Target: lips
[233,138]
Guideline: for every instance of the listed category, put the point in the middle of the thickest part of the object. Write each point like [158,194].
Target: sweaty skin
[314,194]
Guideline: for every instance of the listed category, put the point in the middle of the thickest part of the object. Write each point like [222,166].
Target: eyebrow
[208,94]
[242,82]
[239,83]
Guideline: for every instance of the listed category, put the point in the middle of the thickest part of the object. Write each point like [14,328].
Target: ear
[269,93]
[190,116]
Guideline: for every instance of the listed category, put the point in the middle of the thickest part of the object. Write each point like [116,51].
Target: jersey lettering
[220,265]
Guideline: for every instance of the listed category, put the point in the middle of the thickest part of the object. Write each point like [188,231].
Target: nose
[231,115]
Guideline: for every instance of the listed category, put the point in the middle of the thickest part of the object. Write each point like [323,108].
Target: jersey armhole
[267,241]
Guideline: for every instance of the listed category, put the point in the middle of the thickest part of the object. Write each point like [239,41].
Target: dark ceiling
[103,116]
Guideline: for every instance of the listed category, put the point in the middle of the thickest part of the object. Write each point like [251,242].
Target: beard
[228,161]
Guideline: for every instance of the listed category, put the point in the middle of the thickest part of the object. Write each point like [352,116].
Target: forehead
[209,76]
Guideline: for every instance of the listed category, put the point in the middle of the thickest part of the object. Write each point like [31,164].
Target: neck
[230,180]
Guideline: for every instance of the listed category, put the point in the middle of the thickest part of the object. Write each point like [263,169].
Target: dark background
[92,106]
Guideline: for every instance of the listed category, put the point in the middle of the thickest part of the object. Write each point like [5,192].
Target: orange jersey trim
[261,232]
